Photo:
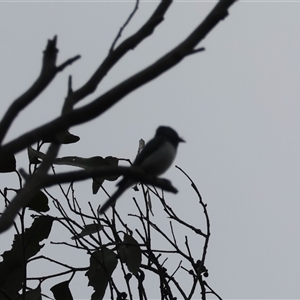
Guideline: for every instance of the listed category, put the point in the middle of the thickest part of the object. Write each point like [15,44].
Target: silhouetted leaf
[12,266]
[90,163]
[85,163]
[12,280]
[88,229]
[33,156]
[102,264]
[7,162]
[130,253]
[113,162]
[61,291]
[64,137]
[35,294]
[39,202]
[97,181]
[76,161]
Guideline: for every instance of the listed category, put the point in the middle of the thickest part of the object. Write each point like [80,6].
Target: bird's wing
[150,147]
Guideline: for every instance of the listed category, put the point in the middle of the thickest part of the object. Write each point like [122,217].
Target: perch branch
[131,172]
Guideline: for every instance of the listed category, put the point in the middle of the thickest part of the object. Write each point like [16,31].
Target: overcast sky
[236,104]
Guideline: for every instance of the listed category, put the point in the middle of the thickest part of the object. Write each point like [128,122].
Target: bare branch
[48,72]
[207,235]
[114,56]
[124,26]
[110,98]
[67,63]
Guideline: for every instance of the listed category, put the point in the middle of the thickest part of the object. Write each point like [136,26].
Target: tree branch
[40,180]
[131,172]
[106,101]
[124,26]
[115,55]
[48,72]
[32,184]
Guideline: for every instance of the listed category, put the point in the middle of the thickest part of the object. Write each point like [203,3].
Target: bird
[154,159]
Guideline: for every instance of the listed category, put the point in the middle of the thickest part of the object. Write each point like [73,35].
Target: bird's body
[154,159]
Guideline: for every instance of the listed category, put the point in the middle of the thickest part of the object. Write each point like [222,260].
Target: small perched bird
[154,159]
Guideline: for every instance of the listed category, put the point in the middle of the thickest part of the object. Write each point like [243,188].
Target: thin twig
[124,26]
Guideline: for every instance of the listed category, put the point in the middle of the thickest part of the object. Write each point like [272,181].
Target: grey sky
[236,104]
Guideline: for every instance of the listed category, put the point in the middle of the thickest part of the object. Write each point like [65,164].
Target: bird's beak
[181,140]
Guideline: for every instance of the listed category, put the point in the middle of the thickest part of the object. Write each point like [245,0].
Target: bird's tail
[114,197]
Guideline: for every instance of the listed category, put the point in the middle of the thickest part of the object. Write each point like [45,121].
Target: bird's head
[170,134]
